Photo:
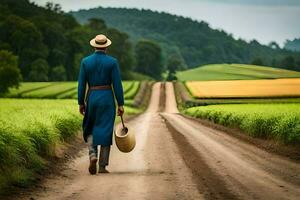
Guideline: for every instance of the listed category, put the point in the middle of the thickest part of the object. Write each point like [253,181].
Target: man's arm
[81,88]
[118,88]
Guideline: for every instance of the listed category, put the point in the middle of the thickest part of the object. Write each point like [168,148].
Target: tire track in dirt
[237,168]
[208,182]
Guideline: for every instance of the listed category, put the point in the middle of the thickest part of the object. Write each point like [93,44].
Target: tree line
[46,44]
[193,42]
[49,43]
[293,45]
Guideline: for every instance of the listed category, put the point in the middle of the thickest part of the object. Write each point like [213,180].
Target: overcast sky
[263,20]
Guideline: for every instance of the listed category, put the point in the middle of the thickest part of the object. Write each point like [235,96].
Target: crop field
[276,121]
[30,129]
[245,88]
[234,72]
[61,90]
[131,89]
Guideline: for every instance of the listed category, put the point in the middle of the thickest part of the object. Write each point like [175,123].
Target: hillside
[293,45]
[49,43]
[195,41]
[234,72]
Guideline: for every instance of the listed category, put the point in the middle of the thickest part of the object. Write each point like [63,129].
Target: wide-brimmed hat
[100,41]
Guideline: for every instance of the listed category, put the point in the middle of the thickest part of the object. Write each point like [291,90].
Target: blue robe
[100,111]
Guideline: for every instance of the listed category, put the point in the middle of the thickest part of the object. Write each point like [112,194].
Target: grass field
[234,72]
[245,88]
[280,122]
[30,130]
[61,90]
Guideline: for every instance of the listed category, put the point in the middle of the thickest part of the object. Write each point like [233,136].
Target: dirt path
[227,168]
[178,158]
[154,170]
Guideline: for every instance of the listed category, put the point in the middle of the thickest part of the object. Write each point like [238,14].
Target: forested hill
[49,44]
[195,41]
[293,45]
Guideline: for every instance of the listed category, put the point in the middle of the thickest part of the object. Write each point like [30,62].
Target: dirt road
[178,158]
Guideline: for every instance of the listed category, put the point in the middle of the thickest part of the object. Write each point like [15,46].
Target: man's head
[100,42]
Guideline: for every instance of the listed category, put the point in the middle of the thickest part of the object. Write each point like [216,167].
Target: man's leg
[104,158]
[93,155]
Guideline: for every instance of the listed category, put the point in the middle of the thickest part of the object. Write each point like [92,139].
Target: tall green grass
[30,130]
[280,122]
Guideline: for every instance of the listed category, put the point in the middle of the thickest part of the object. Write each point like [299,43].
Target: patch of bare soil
[208,182]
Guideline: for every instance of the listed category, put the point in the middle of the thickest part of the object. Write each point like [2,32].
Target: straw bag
[125,139]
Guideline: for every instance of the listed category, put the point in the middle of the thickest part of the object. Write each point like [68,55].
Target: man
[100,72]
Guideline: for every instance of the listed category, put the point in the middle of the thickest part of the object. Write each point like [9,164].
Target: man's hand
[82,109]
[120,110]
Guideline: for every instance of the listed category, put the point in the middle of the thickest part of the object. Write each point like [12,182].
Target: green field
[234,72]
[61,90]
[280,122]
[132,89]
[30,130]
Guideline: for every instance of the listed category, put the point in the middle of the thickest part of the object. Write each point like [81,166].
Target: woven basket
[125,139]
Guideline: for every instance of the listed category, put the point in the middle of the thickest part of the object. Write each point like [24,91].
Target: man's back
[99,68]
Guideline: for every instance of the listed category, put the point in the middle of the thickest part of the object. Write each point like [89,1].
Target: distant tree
[122,50]
[39,70]
[58,73]
[174,64]
[49,5]
[257,61]
[171,75]
[77,61]
[149,58]
[57,8]
[293,45]
[274,63]
[298,64]
[288,62]
[10,75]
[25,40]
[56,57]
[177,62]
[274,45]
[54,7]
[97,24]
[254,43]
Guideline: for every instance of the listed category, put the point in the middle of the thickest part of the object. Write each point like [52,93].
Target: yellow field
[245,88]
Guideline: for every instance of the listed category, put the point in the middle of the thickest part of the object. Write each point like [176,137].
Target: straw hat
[100,41]
[125,139]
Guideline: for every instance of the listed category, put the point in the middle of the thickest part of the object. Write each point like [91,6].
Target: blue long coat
[100,112]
